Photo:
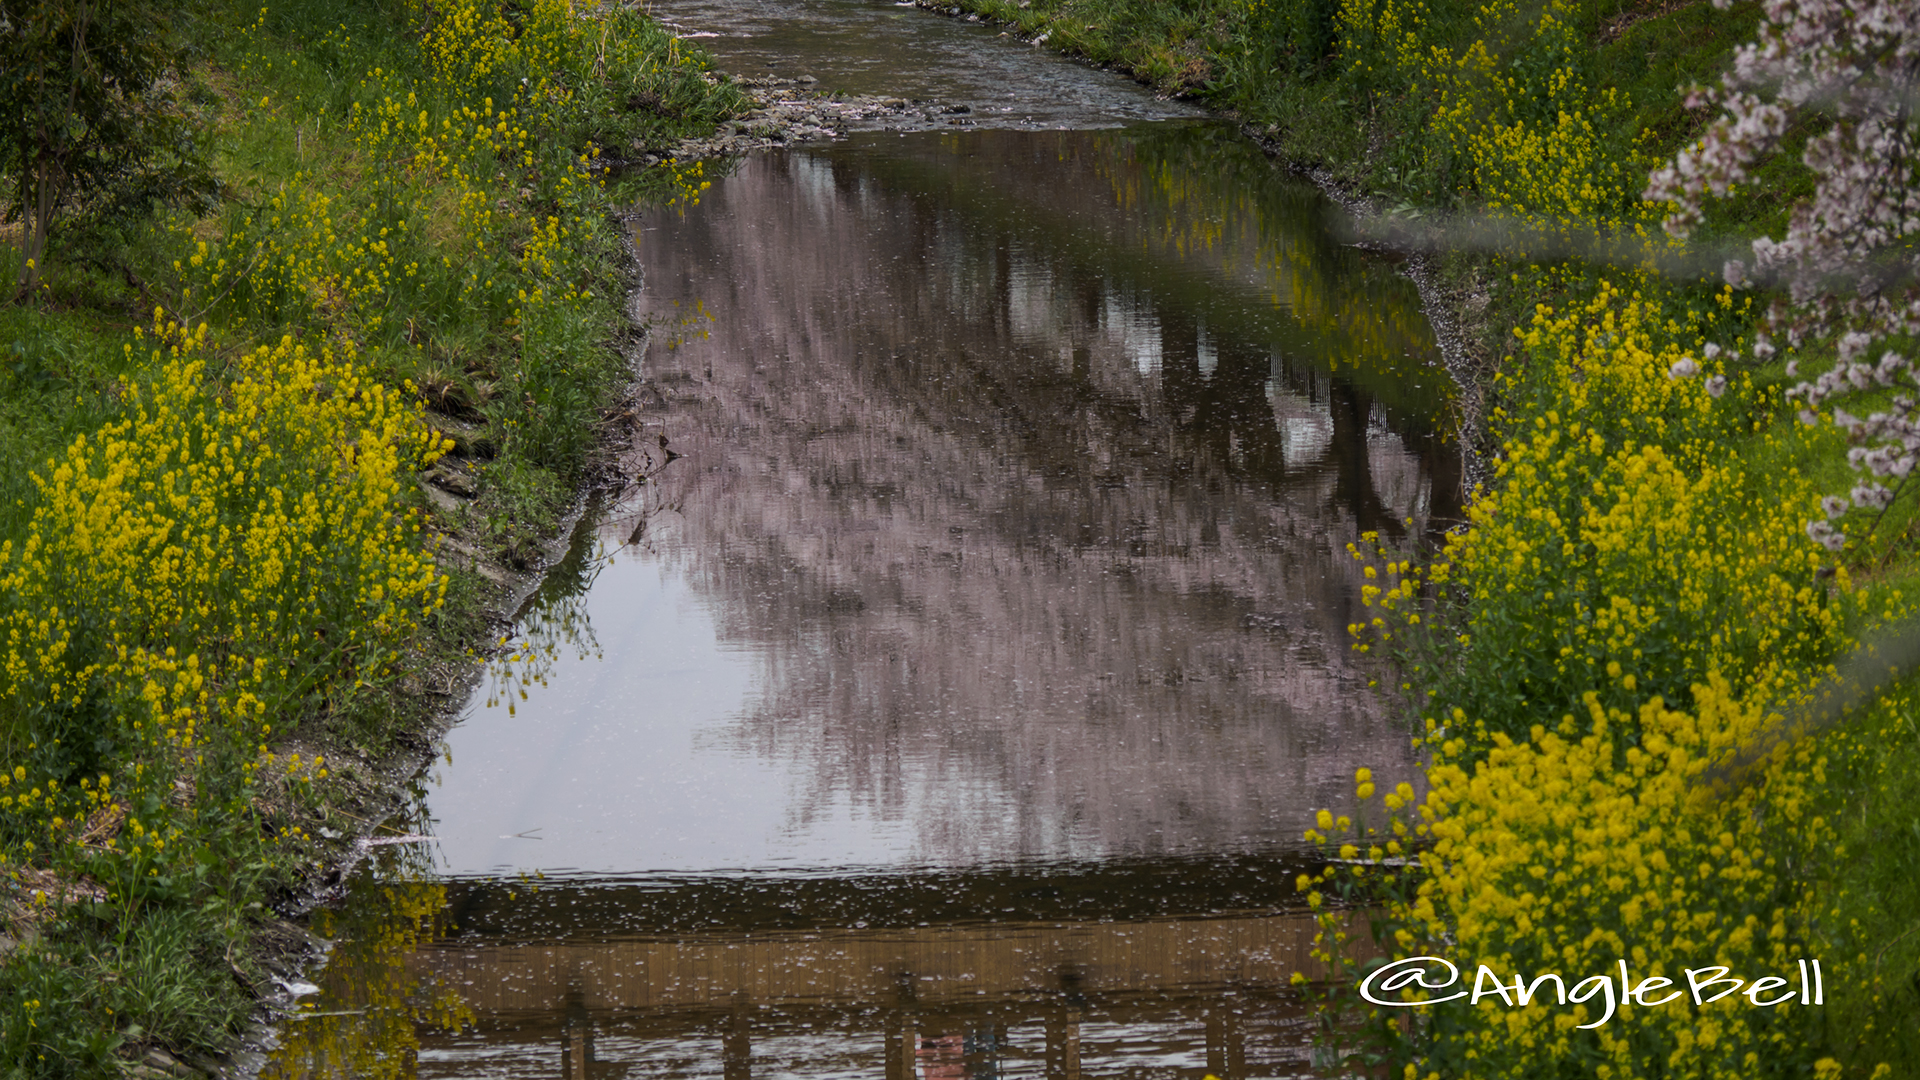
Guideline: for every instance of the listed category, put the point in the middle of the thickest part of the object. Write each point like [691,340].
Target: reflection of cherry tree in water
[997,475]
[1218,391]
[1351,409]
[1225,409]
[1216,381]
[1202,191]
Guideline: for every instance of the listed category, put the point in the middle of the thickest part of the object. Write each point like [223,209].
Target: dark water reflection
[952,704]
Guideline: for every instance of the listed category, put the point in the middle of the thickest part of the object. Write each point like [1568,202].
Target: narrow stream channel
[950,701]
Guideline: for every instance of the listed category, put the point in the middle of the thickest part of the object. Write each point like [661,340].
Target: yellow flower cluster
[1556,174]
[687,181]
[465,200]
[1620,532]
[1627,559]
[237,550]
[193,570]
[1382,40]
[1566,852]
[346,260]
[1512,117]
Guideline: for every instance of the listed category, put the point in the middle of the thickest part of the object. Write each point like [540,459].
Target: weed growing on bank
[217,556]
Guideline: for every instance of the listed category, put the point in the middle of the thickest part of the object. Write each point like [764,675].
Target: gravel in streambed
[787,111]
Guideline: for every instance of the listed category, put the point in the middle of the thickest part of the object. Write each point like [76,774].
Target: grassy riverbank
[1638,592]
[261,444]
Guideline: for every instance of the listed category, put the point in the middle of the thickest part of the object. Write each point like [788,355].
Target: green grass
[1874,882]
[164,952]
[57,373]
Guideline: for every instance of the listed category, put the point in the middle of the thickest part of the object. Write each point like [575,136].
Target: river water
[946,695]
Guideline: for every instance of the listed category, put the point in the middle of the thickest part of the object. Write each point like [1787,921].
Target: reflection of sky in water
[1136,328]
[984,545]
[563,781]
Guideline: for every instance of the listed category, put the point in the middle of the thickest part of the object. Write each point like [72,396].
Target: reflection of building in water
[1175,966]
[577,1058]
[1178,967]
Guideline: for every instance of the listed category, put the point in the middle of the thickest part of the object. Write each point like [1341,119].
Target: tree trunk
[42,158]
[34,246]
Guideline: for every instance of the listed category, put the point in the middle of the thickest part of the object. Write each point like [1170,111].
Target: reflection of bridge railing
[944,996]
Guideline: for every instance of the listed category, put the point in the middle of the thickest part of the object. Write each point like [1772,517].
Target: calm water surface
[1009,524]
[947,694]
